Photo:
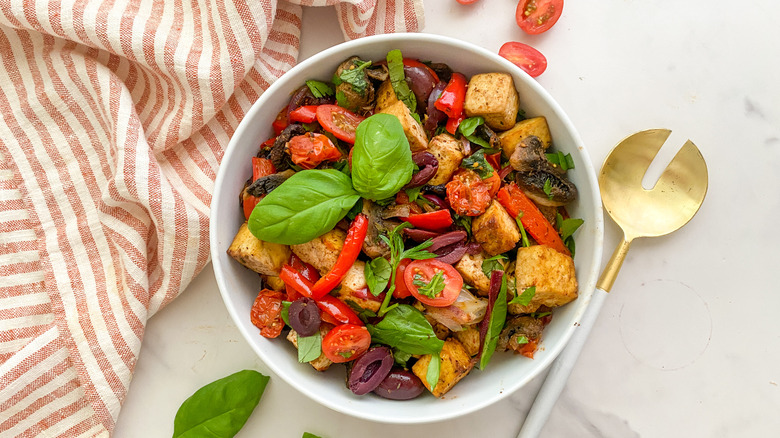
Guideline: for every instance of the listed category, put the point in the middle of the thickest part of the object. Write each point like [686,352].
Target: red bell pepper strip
[353,244]
[452,97]
[304,114]
[280,122]
[515,201]
[452,124]
[260,167]
[308,271]
[339,310]
[434,220]
[293,279]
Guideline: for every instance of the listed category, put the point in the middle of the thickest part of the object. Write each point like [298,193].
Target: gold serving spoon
[639,212]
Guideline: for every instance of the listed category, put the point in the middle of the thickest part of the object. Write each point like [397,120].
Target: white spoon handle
[560,369]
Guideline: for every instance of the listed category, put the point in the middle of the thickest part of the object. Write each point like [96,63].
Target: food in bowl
[407,221]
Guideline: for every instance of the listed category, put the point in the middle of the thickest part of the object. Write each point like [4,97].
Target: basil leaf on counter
[307,205]
[395,68]
[309,347]
[406,329]
[377,273]
[495,325]
[220,408]
[381,159]
[434,367]
[309,435]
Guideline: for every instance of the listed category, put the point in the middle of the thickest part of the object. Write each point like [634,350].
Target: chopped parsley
[431,288]
[565,162]
[525,297]
[478,163]
[319,89]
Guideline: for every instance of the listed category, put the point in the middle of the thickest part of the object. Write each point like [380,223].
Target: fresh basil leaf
[309,435]
[565,162]
[495,325]
[309,347]
[539,314]
[548,188]
[463,221]
[355,210]
[416,116]
[319,89]
[493,264]
[434,367]
[406,329]
[523,235]
[525,297]
[220,408]
[356,76]
[401,357]
[569,161]
[467,126]
[478,164]
[431,288]
[341,99]
[305,206]
[569,226]
[285,313]
[381,159]
[520,115]
[413,193]
[395,67]
[377,273]
[482,142]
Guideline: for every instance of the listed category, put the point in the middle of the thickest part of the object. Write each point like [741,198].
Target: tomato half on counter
[537,16]
[346,342]
[339,121]
[524,56]
[433,282]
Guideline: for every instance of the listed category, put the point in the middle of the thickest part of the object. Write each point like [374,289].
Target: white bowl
[506,372]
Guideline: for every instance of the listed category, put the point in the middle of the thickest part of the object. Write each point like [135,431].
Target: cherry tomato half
[310,149]
[401,291]
[339,121]
[423,271]
[266,313]
[524,56]
[346,342]
[537,16]
[468,194]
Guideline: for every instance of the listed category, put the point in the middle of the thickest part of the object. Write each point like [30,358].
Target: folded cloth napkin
[114,116]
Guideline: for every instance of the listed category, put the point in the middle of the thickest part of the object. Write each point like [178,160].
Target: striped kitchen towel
[114,115]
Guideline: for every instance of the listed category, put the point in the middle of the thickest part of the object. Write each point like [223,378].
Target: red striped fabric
[114,116]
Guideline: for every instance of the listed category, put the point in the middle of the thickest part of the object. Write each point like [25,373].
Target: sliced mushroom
[355,99]
[484,131]
[277,153]
[267,184]
[373,245]
[520,326]
[541,181]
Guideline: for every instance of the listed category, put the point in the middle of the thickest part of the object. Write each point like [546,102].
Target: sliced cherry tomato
[268,143]
[537,16]
[262,167]
[249,205]
[339,121]
[434,220]
[422,272]
[401,291]
[346,342]
[493,182]
[280,122]
[451,100]
[468,194]
[339,310]
[266,313]
[310,149]
[494,160]
[304,114]
[524,56]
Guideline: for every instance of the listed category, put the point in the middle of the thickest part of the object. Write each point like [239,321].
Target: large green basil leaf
[381,159]
[307,205]
[495,325]
[406,329]
[220,408]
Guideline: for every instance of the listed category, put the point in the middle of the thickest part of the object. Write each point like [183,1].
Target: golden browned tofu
[469,338]
[355,280]
[455,365]
[321,363]
[449,152]
[550,271]
[494,97]
[273,282]
[495,229]
[418,141]
[321,252]
[385,96]
[523,129]
[262,257]
[470,268]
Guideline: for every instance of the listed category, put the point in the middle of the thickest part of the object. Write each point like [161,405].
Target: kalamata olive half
[428,165]
[304,316]
[420,81]
[435,116]
[400,384]
[370,369]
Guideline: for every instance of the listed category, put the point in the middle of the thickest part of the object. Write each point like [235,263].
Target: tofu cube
[385,96]
[262,257]
[354,288]
[525,128]
[449,152]
[550,271]
[321,363]
[470,268]
[273,282]
[469,338]
[321,252]
[495,229]
[494,97]
[455,365]
[418,141]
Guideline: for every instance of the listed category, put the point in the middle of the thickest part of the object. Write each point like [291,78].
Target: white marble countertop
[688,343]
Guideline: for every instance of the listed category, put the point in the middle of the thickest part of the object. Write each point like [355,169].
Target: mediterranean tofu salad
[407,221]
